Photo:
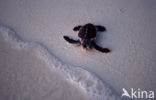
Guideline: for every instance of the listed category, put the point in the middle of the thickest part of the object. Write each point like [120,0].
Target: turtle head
[86,44]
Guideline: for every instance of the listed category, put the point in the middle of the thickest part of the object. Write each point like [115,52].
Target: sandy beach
[37,63]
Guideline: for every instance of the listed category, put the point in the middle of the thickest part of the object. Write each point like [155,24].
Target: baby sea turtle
[87,35]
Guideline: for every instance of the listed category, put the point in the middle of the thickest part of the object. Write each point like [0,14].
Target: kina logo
[137,93]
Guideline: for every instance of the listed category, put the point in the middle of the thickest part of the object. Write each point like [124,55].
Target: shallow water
[31,72]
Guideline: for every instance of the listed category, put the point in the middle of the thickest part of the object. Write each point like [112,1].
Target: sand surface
[130,35]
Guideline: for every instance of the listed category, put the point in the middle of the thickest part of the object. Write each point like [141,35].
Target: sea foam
[81,78]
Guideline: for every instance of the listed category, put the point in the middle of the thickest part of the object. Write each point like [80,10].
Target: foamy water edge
[77,76]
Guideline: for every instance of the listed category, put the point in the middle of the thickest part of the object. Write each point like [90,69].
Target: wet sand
[26,77]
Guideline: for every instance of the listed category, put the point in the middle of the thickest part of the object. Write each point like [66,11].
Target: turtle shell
[87,31]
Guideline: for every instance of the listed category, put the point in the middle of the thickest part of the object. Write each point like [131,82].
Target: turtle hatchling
[87,37]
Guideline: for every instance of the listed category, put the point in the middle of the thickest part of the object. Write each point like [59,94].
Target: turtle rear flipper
[72,41]
[100,28]
[103,50]
[76,28]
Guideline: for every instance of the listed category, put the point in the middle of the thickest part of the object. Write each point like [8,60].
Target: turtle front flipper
[103,50]
[72,41]
[100,28]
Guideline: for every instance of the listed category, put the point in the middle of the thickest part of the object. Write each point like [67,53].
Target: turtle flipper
[72,41]
[100,28]
[76,28]
[103,50]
